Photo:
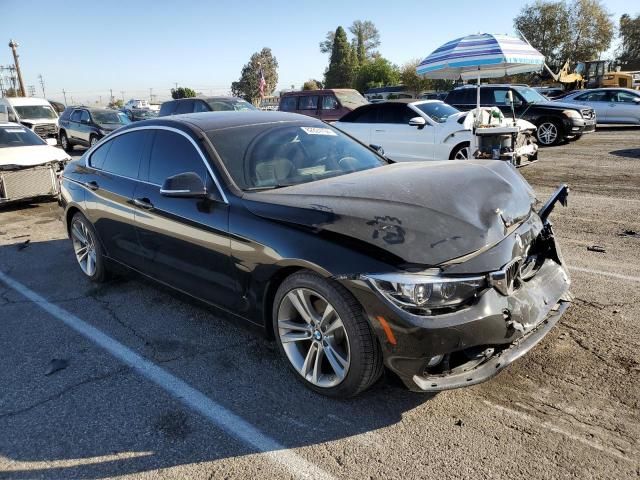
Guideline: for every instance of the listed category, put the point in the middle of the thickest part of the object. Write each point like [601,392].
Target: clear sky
[89,47]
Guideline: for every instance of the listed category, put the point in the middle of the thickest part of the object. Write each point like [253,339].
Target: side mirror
[378,149]
[184,185]
[12,117]
[84,121]
[417,122]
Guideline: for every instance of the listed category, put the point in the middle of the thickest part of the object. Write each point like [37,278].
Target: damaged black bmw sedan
[440,272]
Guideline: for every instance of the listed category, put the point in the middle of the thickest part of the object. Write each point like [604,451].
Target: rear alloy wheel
[461,152]
[548,133]
[64,141]
[321,330]
[93,140]
[87,248]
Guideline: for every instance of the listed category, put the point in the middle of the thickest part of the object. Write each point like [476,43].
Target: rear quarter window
[167,108]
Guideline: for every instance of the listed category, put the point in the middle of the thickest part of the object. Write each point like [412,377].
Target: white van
[136,104]
[36,114]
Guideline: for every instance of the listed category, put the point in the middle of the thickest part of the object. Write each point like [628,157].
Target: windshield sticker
[15,130]
[318,131]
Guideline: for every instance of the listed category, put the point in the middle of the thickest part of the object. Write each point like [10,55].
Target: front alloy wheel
[548,133]
[313,337]
[322,331]
[87,248]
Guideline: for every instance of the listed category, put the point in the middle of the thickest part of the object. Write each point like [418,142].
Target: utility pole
[122,92]
[44,95]
[13,45]
[65,96]
[151,95]
[176,83]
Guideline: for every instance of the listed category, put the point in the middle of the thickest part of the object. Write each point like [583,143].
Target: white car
[34,113]
[29,167]
[612,105]
[136,104]
[410,130]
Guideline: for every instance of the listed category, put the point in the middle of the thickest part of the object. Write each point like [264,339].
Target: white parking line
[218,415]
[606,274]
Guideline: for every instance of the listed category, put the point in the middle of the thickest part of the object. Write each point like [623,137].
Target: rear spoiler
[561,194]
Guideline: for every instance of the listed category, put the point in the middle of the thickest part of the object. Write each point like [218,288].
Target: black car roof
[207,121]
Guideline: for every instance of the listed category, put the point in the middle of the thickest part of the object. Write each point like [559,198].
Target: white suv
[36,114]
[136,104]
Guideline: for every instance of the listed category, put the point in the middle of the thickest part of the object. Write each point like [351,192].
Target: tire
[336,331]
[93,140]
[87,248]
[64,141]
[461,152]
[548,133]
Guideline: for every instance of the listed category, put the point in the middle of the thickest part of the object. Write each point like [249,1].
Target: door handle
[143,203]
[92,185]
[379,130]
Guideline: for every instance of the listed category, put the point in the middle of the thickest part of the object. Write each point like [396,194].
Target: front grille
[46,130]
[588,113]
[28,183]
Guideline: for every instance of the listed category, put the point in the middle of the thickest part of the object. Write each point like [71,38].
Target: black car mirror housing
[184,185]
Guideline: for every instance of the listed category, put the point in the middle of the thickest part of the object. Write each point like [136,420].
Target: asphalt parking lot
[174,390]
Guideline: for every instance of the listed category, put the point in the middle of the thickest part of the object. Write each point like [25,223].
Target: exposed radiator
[28,183]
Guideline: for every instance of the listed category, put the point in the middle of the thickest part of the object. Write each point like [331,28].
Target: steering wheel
[347,159]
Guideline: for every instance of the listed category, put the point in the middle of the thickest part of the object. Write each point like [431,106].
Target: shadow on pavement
[97,418]
[627,153]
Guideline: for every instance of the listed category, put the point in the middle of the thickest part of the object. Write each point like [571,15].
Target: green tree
[182,92]
[312,84]
[629,50]
[413,82]
[576,31]
[248,86]
[340,73]
[366,39]
[545,24]
[376,73]
[591,30]
[118,103]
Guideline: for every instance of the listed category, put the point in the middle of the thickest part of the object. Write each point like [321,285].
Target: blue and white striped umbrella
[481,56]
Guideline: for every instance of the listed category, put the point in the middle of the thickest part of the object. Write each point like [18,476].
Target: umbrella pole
[478,91]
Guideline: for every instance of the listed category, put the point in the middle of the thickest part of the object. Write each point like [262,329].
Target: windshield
[437,111]
[230,105]
[351,100]
[271,155]
[530,95]
[107,118]
[144,114]
[32,112]
[18,137]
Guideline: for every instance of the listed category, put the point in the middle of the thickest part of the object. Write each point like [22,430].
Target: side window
[99,155]
[499,97]
[366,114]
[623,97]
[395,113]
[75,116]
[167,108]
[84,116]
[329,103]
[171,154]
[288,104]
[124,155]
[200,106]
[309,102]
[185,106]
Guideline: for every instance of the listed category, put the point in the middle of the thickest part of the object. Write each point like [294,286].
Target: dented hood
[422,213]
[30,156]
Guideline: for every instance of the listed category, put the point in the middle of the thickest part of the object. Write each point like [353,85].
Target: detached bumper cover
[497,363]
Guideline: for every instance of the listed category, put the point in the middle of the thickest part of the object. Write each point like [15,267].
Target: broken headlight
[427,292]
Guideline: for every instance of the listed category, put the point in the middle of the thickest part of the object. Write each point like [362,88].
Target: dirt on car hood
[422,213]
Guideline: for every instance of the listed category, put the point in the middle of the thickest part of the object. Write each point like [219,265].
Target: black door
[111,182]
[185,241]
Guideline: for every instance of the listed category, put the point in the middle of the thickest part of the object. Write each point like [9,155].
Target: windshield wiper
[272,187]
